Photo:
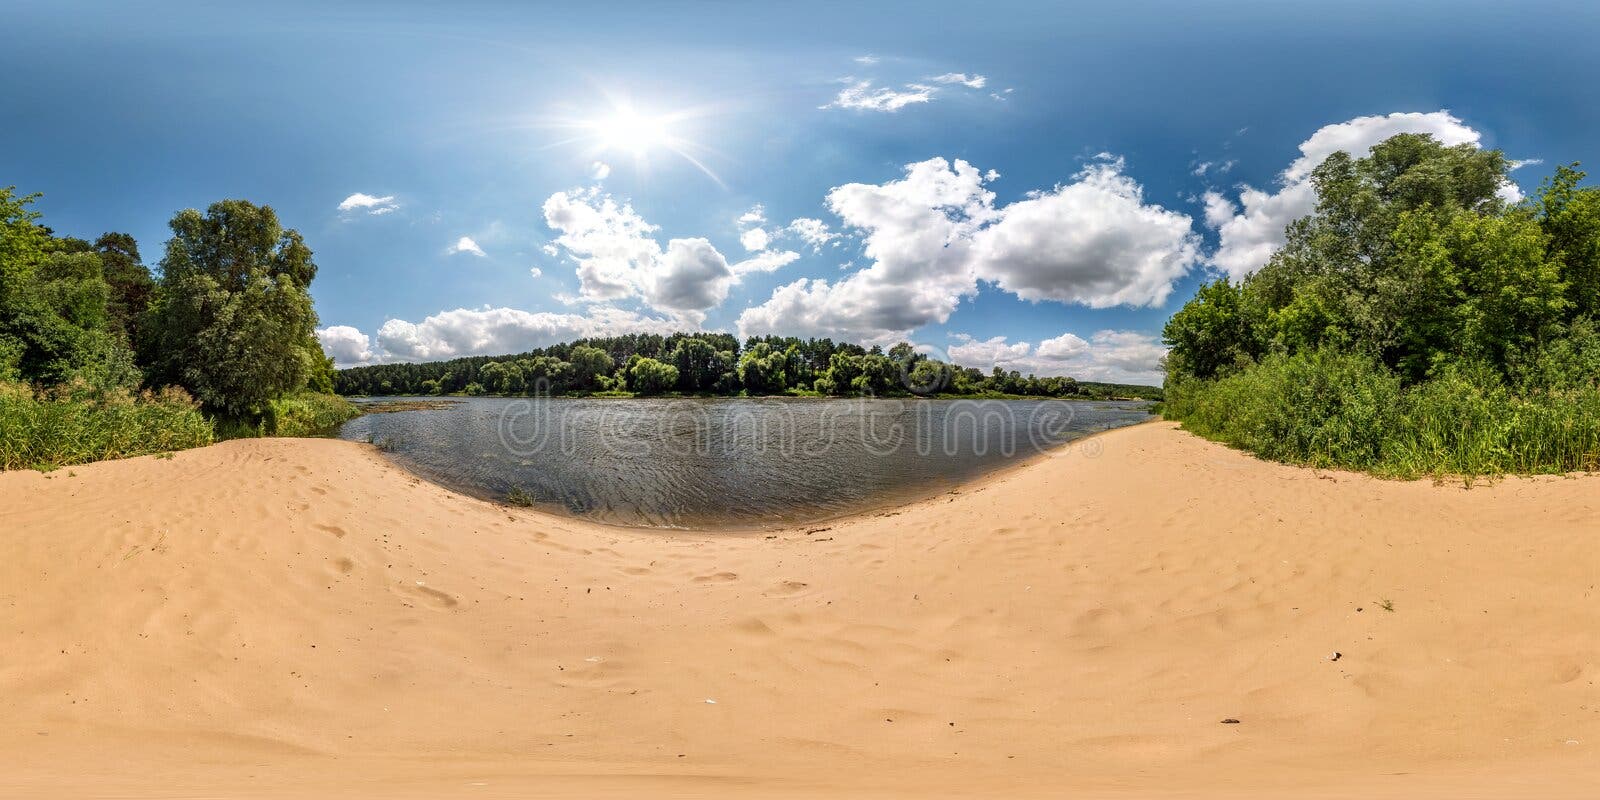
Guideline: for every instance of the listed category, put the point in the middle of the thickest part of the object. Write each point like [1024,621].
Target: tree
[53,296]
[130,282]
[233,323]
[1212,332]
[589,364]
[761,370]
[1570,217]
[698,364]
[648,376]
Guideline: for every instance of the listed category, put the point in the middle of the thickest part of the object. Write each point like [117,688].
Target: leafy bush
[1331,409]
[303,414]
[75,424]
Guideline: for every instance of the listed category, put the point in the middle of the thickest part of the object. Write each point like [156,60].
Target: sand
[299,618]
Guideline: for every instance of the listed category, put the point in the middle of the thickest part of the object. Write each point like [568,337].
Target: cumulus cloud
[691,276]
[935,233]
[535,272]
[347,346]
[813,232]
[755,239]
[1252,229]
[861,95]
[1094,242]
[618,256]
[969,81]
[375,206]
[1111,356]
[599,170]
[498,331]
[612,245]
[466,245]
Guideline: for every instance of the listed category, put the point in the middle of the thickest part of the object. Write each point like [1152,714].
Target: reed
[75,425]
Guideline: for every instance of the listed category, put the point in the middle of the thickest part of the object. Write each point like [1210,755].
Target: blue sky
[1034,185]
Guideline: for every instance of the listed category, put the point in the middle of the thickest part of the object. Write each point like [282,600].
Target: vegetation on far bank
[101,358]
[715,365]
[1414,324]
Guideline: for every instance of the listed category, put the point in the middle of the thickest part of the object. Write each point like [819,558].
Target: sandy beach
[300,618]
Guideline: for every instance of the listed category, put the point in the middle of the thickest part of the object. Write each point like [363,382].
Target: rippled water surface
[725,463]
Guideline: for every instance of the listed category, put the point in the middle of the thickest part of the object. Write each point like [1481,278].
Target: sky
[1036,186]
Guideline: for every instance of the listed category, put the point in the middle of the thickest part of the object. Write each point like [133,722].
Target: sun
[643,135]
[629,131]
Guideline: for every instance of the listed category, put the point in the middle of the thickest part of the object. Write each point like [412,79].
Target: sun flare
[642,135]
[629,131]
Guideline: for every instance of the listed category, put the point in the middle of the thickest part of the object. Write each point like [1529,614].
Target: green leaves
[234,324]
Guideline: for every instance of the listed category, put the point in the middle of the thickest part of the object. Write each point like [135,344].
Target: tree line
[712,364]
[226,318]
[1415,322]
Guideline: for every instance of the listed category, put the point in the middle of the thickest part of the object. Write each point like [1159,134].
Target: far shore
[1139,614]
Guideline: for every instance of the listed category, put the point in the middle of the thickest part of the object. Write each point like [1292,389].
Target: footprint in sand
[333,529]
[428,595]
[787,589]
[344,565]
[717,577]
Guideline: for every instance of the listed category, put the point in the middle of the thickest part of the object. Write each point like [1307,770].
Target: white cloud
[499,331]
[689,278]
[1111,356]
[813,232]
[535,272]
[611,244]
[969,81]
[1251,231]
[599,170]
[466,245]
[1094,242]
[757,215]
[347,346]
[868,60]
[935,233]
[755,239]
[618,256]
[765,261]
[376,206]
[861,96]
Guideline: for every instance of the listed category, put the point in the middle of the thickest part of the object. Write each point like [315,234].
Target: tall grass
[76,425]
[303,414]
[1330,409]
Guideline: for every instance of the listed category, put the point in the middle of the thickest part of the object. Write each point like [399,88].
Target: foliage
[75,423]
[647,376]
[230,319]
[715,364]
[233,323]
[1414,323]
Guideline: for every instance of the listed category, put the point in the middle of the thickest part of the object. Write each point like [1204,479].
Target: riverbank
[282,617]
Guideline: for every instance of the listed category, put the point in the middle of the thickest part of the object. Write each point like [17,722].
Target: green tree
[233,323]
[647,376]
[589,364]
[131,285]
[698,363]
[761,370]
[1212,332]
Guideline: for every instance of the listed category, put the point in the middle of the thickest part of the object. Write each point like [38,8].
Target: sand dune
[299,618]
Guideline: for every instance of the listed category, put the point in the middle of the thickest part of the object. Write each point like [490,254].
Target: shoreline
[306,612]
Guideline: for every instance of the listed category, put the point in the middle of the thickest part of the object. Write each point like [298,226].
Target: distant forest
[715,364]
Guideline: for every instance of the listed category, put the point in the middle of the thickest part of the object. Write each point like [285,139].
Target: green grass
[304,414]
[45,430]
[1340,410]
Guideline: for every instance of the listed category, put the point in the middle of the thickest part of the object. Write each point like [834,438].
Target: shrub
[75,424]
